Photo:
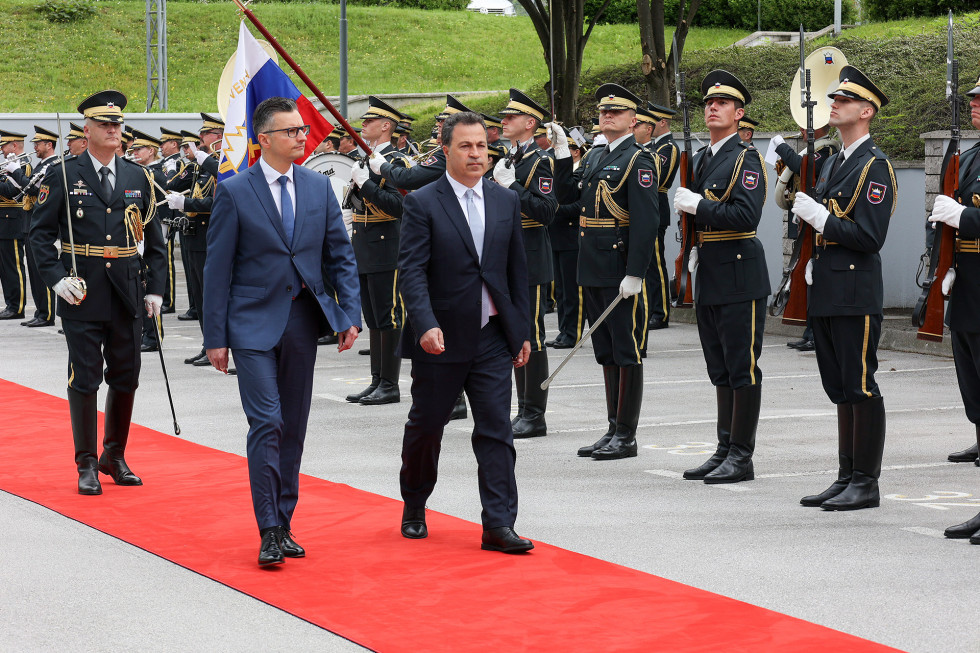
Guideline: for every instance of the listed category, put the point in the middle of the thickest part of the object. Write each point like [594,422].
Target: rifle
[930,308]
[791,297]
[682,283]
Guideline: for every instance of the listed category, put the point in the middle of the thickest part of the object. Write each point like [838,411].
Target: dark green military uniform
[13,219]
[563,232]
[658,279]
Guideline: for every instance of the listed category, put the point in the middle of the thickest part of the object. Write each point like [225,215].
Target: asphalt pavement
[885,574]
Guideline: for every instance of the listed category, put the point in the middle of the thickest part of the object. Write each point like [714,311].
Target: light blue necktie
[477,228]
[288,217]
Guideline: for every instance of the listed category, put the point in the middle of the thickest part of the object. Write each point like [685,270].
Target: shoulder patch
[663,158]
[544,185]
[750,179]
[876,192]
[42,195]
[645,177]
[431,160]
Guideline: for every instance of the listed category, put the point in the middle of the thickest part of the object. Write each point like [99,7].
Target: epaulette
[878,154]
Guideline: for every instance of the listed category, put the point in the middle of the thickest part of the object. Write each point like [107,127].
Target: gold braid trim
[670,166]
[606,193]
[976,201]
[134,223]
[845,213]
[739,162]
[528,222]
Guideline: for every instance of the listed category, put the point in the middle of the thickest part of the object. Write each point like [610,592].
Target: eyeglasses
[291,132]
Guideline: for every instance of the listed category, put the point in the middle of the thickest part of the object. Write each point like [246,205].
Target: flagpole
[303,76]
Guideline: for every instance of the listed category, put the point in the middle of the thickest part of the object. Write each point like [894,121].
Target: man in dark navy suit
[276,242]
[465,285]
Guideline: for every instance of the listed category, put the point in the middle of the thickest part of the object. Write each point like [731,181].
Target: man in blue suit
[277,253]
[464,284]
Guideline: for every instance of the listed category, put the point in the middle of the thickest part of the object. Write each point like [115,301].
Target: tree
[566,20]
[656,66]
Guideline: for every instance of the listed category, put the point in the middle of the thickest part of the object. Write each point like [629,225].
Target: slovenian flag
[258,77]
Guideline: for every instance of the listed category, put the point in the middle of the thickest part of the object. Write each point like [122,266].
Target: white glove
[201,156]
[776,141]
[175,201]
[809,210]
[630,286]
[503,175]
[692,261]
[808,273]
[947,210]
[948,281]
[153,304]
[68,292]
[376,161]
[558,140]
[686,201]
[170,166]
[359,174]
[192,148]
[11,166]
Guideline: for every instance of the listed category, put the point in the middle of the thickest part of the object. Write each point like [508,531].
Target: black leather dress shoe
[202,362]
[149,346]
[413,523]
[329,339]
[28,322]
[119,471]
[968,455]
[202,354]
[167,310]
[656,323]
[38,322]
[505,540]
[269,552]
[386,393]
[560,343]
[459,410]
[962,531]
[8,314]
[619,446]
[806,345]
[188,316]
[288,545]
[363,352]
[975,539]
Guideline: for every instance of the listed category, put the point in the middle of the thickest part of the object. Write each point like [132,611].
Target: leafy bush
[66,11]
[619,12]
[776,15]
[893,9]
[444,5]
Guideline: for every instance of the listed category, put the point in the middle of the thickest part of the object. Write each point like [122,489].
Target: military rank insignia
[645,177]
[876,192]
[750,179]
[42,195]
[132,194]
[544,185]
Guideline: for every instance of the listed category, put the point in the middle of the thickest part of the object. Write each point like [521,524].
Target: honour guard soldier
[746,129]
[347,145]
[855,196]
[125,141]
[377,222]
[532,176]
[495,129]
[77,143]
[169,164]
[404,132]
[563,233]
[963,314]
[45,149]
[731,281]
[199,177]
[790,160]
[15,173]
[111,205]
[617,234]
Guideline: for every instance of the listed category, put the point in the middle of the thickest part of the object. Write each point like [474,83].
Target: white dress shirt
[98,169]
[272,178]
[460,190]
[849,150]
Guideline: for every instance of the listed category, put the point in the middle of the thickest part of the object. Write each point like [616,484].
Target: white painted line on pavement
[731,487]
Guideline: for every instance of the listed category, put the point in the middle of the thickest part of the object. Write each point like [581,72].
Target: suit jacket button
[108,265]
[614,247]
[582,234]
[852,266]
[714,185]
[289,289]
[382,237]
[108,237]
[355,231]
[108,210]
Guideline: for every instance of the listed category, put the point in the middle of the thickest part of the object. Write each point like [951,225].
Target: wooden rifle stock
[795,310]
[682,277]
[931,307]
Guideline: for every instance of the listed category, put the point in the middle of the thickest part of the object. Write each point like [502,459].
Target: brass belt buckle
[110,252]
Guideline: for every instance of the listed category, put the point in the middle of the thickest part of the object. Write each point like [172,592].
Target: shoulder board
[876,152]
[747,146]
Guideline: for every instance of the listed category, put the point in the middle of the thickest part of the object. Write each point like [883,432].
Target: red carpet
[370,585]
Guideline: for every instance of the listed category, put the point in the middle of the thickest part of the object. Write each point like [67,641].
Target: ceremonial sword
[578,345]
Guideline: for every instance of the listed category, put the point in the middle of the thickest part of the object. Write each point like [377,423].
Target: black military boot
[965,530]
[84,411]
[532,424]
[391,364]
[869,445]
[375,339]
[610,375]
[737,466]
[520,383]
[623,442]
[459,410]
[968,455]
[725,398]
[845,447]
[118,415]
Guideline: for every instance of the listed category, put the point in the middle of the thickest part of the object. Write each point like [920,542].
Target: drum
[338,168]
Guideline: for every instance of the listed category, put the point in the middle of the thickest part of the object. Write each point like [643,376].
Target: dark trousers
[13,274]
[380,302]
[847,356]
[568,295]
[195,282]
[658,280]
[43,296]
[435,387]
[731,339]
[185,261]
[171,287]
[116,340]
[966,356]
[276,387]
[621,339]
[538,305]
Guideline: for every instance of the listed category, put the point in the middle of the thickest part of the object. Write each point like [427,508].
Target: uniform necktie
[477,228]
[288,218]
[837,164]
[704,161]
[106,185]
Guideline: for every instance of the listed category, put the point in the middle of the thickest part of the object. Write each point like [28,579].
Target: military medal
[80,214]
